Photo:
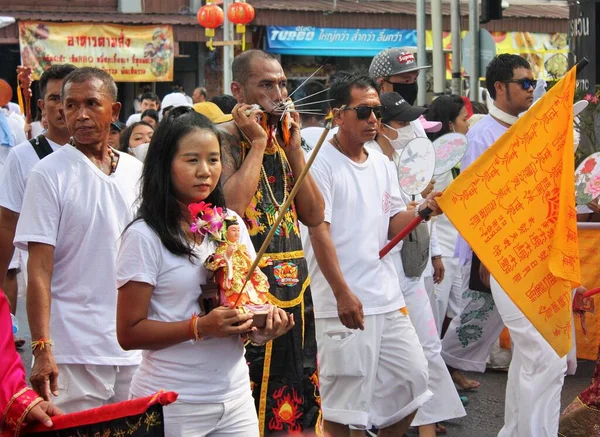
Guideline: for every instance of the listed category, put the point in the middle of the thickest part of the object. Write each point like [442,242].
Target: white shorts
[85,386]
[234,418]
[373,377]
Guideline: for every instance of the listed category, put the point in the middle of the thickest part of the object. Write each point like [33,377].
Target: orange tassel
[284,129]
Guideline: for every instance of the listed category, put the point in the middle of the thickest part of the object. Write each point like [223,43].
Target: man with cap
[173,100]
[396,70]
[394,133]
[116,127]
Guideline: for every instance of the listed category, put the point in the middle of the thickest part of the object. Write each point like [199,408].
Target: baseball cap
[116,125]
[394,61]
[394,107]
[212,112]
[173,100]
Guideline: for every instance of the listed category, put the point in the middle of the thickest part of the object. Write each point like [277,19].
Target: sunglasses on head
[525,83]
[364,112]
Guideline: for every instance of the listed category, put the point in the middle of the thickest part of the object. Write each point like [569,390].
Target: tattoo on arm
[231,155]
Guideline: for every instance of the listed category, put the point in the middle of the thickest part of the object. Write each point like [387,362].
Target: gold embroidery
[24,415]
[282,256]
[264,387]
[290,303]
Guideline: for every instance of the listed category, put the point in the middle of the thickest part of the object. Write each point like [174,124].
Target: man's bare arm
[40,266]
[239,179]
[349,306]
[309,201]
[8,225]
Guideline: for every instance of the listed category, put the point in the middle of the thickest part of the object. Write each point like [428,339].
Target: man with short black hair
[77,203]
[149,101]
[21,160]
[372,368]
[536,372]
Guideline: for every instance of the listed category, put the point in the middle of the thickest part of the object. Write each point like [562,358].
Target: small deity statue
[231,263]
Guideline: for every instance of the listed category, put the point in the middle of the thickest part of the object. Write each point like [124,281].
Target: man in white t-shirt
[149,101]
[77,203]
[372,368]
[16,170]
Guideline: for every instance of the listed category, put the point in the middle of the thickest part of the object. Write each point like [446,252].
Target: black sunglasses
[364,112]
[525,83]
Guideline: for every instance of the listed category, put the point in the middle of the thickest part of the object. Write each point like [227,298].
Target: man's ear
[500,87]
[237,91]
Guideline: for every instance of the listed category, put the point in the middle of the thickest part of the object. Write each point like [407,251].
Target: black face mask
[408,91]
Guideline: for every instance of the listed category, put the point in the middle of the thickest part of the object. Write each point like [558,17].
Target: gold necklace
[337,144]
[276,204]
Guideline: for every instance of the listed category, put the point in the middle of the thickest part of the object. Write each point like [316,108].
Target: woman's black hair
[126,135]
[444,109]
[158,206]
[152,113]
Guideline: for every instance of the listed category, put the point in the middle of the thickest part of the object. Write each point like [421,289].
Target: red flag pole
[590,293]
[423,215]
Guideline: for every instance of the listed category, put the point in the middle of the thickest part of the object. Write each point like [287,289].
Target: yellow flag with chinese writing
[515,206]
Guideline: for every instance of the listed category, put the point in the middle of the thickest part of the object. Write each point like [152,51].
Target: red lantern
[210,16]
[241,13]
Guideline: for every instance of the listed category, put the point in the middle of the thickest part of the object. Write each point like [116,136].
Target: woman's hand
[42,412]
[278,323]
[224,322]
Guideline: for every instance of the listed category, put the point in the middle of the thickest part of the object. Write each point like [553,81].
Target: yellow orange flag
[515,206]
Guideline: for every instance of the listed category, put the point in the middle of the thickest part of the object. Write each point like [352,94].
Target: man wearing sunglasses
[372,368]
[536,373]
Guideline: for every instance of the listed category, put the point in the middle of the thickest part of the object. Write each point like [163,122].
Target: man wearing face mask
[396,70]
[393,134]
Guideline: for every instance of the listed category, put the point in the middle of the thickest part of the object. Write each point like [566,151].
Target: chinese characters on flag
[515,206]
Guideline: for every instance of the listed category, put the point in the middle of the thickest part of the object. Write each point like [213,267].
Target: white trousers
[445,403]
[471,334]
[535,376]
[85,386]
[448,293]
[228,419]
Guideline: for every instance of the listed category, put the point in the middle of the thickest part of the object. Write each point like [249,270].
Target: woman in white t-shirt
[160,272]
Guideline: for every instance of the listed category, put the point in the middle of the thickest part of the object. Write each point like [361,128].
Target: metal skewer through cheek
[285,206]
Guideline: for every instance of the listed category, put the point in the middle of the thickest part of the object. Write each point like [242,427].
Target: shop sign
[582,41]
[326,41]
[127,53]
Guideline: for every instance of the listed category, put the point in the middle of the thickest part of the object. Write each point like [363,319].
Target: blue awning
[329,41]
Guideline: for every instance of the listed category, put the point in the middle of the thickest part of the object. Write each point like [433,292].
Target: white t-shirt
[359,200]
[208,371]
[21,160]
[134,118]
[72,205]
[19,163]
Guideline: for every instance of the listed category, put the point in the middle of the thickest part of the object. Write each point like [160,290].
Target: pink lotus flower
[593,186]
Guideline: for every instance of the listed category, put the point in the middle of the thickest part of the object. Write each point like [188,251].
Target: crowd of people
[101,219]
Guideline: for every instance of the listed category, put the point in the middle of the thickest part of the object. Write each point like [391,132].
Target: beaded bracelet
[41,344]
[194,327]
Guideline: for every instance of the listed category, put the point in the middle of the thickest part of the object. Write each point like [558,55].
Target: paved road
[485,409]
